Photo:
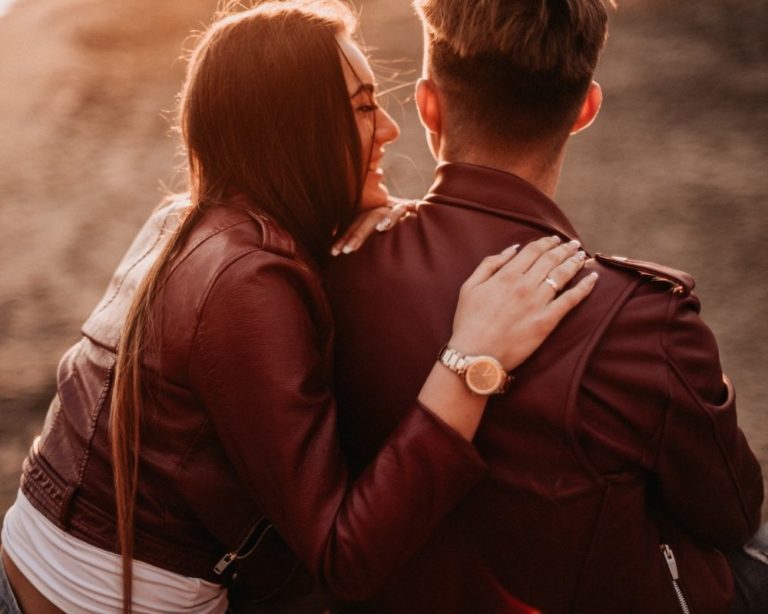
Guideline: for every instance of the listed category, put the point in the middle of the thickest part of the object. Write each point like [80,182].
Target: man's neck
[545,176]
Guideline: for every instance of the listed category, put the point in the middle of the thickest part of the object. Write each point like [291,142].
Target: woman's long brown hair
[265,114]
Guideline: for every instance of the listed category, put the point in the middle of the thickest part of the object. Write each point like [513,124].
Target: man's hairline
[552,142]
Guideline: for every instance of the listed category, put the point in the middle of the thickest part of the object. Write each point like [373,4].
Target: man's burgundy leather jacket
[239,451]
[618,435]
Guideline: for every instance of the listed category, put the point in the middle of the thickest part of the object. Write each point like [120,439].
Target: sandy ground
[673,171]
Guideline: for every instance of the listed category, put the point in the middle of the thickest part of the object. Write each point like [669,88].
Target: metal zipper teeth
[230,557]
[681,598]
[669,559]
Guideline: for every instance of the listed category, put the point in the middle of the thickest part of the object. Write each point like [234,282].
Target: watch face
[484,376]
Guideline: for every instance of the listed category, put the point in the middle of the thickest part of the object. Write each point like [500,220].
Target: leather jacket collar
[500,193]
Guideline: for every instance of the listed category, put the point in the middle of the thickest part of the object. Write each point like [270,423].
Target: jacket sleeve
[709,479]
[654,399]
[259,366]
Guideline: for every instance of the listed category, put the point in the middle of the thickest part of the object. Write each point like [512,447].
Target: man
[617,474]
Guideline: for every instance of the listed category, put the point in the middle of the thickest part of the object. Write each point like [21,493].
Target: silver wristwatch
[482,374]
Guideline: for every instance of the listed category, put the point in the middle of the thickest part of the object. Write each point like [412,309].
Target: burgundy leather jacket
[617,436]
[239,448]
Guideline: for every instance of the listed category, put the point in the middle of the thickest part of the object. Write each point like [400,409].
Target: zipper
[669,559]
[237,553]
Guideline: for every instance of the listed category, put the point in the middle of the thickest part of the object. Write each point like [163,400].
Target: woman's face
[376,126]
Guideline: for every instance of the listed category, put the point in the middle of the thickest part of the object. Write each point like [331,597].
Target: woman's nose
[387,129]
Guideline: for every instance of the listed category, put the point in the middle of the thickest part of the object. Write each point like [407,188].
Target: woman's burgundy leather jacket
[239,451]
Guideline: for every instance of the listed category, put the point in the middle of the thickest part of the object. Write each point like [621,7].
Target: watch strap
[453,359]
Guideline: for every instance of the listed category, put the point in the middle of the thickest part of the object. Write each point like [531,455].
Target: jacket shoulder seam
[198,242]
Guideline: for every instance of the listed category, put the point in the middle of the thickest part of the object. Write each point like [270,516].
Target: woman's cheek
[375,193]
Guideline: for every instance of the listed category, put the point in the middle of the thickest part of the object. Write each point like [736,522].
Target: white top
[80,578]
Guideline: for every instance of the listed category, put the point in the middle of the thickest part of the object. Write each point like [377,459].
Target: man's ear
[428,104]
[589,108]
[430,113]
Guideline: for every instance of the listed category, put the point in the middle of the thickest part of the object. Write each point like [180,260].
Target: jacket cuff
[463,450]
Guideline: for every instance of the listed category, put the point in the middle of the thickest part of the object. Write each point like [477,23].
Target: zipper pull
[669,557]
[230,557]
[224,562]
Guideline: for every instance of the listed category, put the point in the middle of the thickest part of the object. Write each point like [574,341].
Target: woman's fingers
[563,304]
[393,216]
[489,266]
[535,259]
[532,252]
[360,230]
[403,205]
[379,219]
[559,277]
[542,268]
[511,302]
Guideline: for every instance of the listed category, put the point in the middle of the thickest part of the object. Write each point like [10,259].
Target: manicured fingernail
[593,276]
[509,251]
[351,246]
[335,250]
[580,256]
[556,239]
[574,243]
[384,224]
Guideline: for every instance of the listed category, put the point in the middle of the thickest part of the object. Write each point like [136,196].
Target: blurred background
[673,171]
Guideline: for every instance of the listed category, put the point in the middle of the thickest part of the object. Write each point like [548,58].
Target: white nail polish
[512,249]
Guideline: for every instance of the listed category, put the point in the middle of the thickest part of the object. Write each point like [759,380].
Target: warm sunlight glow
[5,5]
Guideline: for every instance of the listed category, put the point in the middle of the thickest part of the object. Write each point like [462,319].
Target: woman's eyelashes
[366,101]
[368,108]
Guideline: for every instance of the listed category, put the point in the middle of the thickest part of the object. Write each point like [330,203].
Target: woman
[191,450]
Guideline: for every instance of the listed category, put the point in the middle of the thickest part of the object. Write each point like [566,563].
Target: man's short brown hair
[514,70]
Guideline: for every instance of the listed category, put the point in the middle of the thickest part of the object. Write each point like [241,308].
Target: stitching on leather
[200,241]
[54,422]
[133,266]
[270,231]
[95,413]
